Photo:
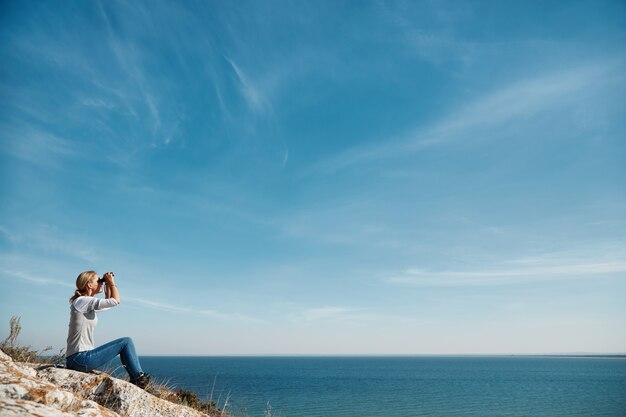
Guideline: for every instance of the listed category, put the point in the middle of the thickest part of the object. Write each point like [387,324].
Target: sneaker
[142,381]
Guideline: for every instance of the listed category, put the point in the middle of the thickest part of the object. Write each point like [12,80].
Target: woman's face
[95,285]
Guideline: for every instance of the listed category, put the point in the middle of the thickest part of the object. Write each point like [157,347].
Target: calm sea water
[403,386]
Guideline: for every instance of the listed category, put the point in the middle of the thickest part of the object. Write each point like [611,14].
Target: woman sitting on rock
[81,354]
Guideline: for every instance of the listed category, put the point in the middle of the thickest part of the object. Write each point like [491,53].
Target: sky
[317,177]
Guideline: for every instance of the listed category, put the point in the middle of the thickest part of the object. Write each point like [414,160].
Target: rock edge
[33,389]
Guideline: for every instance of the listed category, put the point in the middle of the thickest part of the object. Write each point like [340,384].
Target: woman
[81,354]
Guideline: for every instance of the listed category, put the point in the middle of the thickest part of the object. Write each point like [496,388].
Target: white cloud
[285,157]
[129,59]
[249,90]
[51,239]
[157,305]
[524,271]
[325,313]
[174,308]
[36,279]
[480,118]
[34,145]
[353,317]
[97,103]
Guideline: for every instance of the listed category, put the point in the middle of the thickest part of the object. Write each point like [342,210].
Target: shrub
[190,399]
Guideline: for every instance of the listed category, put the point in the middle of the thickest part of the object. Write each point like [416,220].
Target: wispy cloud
[337,223]
[46,238]
[440,49]
[128,58]
[23,275]
[351,316]
[285,157]
[35,145]
[518,271]
[481,119]
[97,103]
[325,313]
[9,235]
[174,308]
[169,308]
[249,90]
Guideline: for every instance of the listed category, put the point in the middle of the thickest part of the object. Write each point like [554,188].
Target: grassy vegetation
[188,398]
[27,353]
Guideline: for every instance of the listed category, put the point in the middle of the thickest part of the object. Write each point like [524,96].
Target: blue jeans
[91,359]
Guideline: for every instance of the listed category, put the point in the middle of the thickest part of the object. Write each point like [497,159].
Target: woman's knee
[125,340]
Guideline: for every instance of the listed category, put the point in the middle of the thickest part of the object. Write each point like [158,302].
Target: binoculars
[101,280]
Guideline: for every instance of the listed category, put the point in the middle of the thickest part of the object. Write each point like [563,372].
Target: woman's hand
[111,289]
[109,278]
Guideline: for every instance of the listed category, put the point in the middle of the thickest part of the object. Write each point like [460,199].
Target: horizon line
[313,355]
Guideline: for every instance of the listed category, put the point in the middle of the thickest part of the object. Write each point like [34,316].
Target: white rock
[90,408]
[117,395]
[59,398]
[85,384]
[21,408]
[4,357]
[26,368]
[14,383]
[12,390]
[50,391]
[21,393]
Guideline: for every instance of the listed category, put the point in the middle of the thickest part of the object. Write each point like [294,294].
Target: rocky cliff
[35,390]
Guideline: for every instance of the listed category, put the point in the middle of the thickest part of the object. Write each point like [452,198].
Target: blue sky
[318,177]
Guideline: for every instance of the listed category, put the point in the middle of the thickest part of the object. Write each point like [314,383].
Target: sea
[401,386]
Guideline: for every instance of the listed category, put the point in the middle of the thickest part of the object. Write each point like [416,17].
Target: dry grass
[26,353]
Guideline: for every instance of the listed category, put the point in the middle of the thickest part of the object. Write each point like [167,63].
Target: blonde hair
[81,283]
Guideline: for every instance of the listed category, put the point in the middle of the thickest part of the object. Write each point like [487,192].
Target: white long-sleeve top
[83,321]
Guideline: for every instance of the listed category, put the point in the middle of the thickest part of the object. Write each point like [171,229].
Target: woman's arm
[111,290]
